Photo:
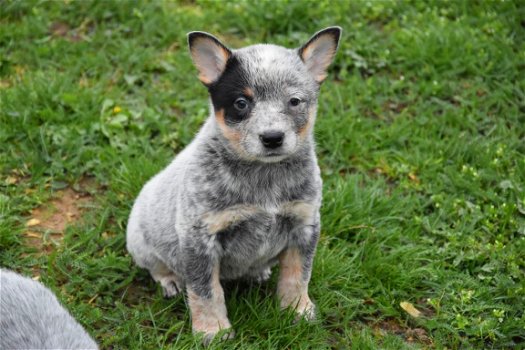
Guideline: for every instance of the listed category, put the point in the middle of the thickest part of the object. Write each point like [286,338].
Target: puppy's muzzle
[272,139]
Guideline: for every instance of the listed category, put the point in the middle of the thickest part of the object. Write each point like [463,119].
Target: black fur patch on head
[230,86]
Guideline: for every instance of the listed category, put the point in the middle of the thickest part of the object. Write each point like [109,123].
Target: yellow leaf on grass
[11,180]
[33,234]
[413,177]
[410,309]
[32,222]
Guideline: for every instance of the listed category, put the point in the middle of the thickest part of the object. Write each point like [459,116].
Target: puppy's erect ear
[209,56]
[319,51]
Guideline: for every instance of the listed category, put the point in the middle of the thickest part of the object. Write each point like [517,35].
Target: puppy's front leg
[205,293]
[295,271]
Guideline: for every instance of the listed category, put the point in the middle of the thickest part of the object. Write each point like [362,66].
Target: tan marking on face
[248,92]
[209,315]
[305,129]
[218,221]
[302,210]
[292,288]
[233,136]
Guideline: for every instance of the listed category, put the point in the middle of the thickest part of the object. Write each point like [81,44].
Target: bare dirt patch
[410,335]
[63,30]
[47,223]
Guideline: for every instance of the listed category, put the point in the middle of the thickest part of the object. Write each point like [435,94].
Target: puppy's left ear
[209,56]
[319,51]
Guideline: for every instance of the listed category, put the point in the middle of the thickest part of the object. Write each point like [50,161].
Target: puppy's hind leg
[145,257]
[171,283]
[260,275]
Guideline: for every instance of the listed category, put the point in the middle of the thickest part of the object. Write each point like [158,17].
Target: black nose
[272,139]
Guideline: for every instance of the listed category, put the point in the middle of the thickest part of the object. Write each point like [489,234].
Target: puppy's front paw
[302,305]
[305,310]
[211,326]
[225,334]
[211,329]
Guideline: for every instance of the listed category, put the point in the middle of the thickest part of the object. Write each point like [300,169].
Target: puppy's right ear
[209,56]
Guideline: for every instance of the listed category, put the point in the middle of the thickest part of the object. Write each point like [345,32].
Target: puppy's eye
[294,102]
[241,104]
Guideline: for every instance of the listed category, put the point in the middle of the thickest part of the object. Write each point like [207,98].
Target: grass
[421,141]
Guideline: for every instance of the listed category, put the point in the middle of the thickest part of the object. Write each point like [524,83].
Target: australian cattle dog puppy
[245,194]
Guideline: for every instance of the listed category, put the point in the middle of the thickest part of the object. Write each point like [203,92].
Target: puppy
[32,318]
[245,193]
